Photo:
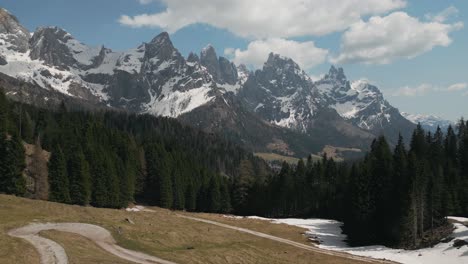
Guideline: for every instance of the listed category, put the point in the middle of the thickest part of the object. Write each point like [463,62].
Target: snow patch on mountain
[108,64]
[429,122]
[22,67]
[82,53]
[177,103]
[359,101]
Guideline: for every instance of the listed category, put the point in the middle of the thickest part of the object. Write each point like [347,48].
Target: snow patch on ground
[137,208]
[329,235]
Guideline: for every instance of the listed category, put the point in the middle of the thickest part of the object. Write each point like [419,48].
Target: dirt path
[290,242]
[53,253]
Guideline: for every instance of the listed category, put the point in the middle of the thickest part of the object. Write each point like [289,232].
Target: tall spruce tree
[79,177]
[12,165]
[59,190]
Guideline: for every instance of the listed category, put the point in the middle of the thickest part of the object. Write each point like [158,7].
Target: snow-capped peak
[336,74]
[428,122]
[12,33]
[208,50]
[161,39]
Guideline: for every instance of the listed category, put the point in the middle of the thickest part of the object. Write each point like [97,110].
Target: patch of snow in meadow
[330,236]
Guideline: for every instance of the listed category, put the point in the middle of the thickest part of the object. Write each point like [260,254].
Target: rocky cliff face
[278,103]
[56,47]
[13,34]
[281,93]
[362,104]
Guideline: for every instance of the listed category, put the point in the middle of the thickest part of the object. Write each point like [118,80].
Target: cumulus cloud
[264,18]
[306,54]
[425,88]
[414,91]
[444,15]
[382,40]
[457,87]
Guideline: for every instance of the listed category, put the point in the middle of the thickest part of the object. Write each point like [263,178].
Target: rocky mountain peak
[193,58]
[57,47]
[221,69]
[161,39]
[336,74]
[209,60]
[285,71]
[13,32]
[364,87]
[278,61]
[208,53]
[160,49]
[243,73]
[429,122]
[53,32]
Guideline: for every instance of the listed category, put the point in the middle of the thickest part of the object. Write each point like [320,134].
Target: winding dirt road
[292,243]
[53,253]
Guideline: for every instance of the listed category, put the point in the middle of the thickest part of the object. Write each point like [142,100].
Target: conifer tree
[79,177]
[4,114]
[12,165]
[225,197]
[165,185]
[190,197]
[214,196]
[178,189]
[58,178]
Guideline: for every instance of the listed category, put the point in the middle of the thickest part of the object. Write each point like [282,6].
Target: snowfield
[328,233]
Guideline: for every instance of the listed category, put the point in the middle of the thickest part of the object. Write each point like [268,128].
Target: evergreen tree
[58,179]
[165,185]
[190,197]
[178,189]
[12,165]
[4,114]
[38,171]
[242,184]
[225,197]
[27,128]
[79,178]
[214,196]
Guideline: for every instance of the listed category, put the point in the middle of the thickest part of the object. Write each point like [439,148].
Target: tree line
[111,159]
[395,196]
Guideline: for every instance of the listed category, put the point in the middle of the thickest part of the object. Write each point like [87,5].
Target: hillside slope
[160,233]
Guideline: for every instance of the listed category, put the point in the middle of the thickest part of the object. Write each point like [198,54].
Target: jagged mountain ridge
[205,90]
[363,104]
[429,122]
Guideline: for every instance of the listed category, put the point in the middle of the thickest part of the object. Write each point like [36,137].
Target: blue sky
[415,51]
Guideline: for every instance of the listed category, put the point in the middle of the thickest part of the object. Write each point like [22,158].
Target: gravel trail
[53,253]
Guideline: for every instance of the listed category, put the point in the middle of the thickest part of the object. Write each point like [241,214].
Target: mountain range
[429,122]
[277,108]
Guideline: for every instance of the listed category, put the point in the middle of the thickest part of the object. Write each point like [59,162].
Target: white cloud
[425,88]
[382,40]
[457,87]
[316,78]
[145,2]
[414,91]
[444,15]
[306,54]
[264,18]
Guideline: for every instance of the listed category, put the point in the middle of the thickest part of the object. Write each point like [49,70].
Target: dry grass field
[161,233]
